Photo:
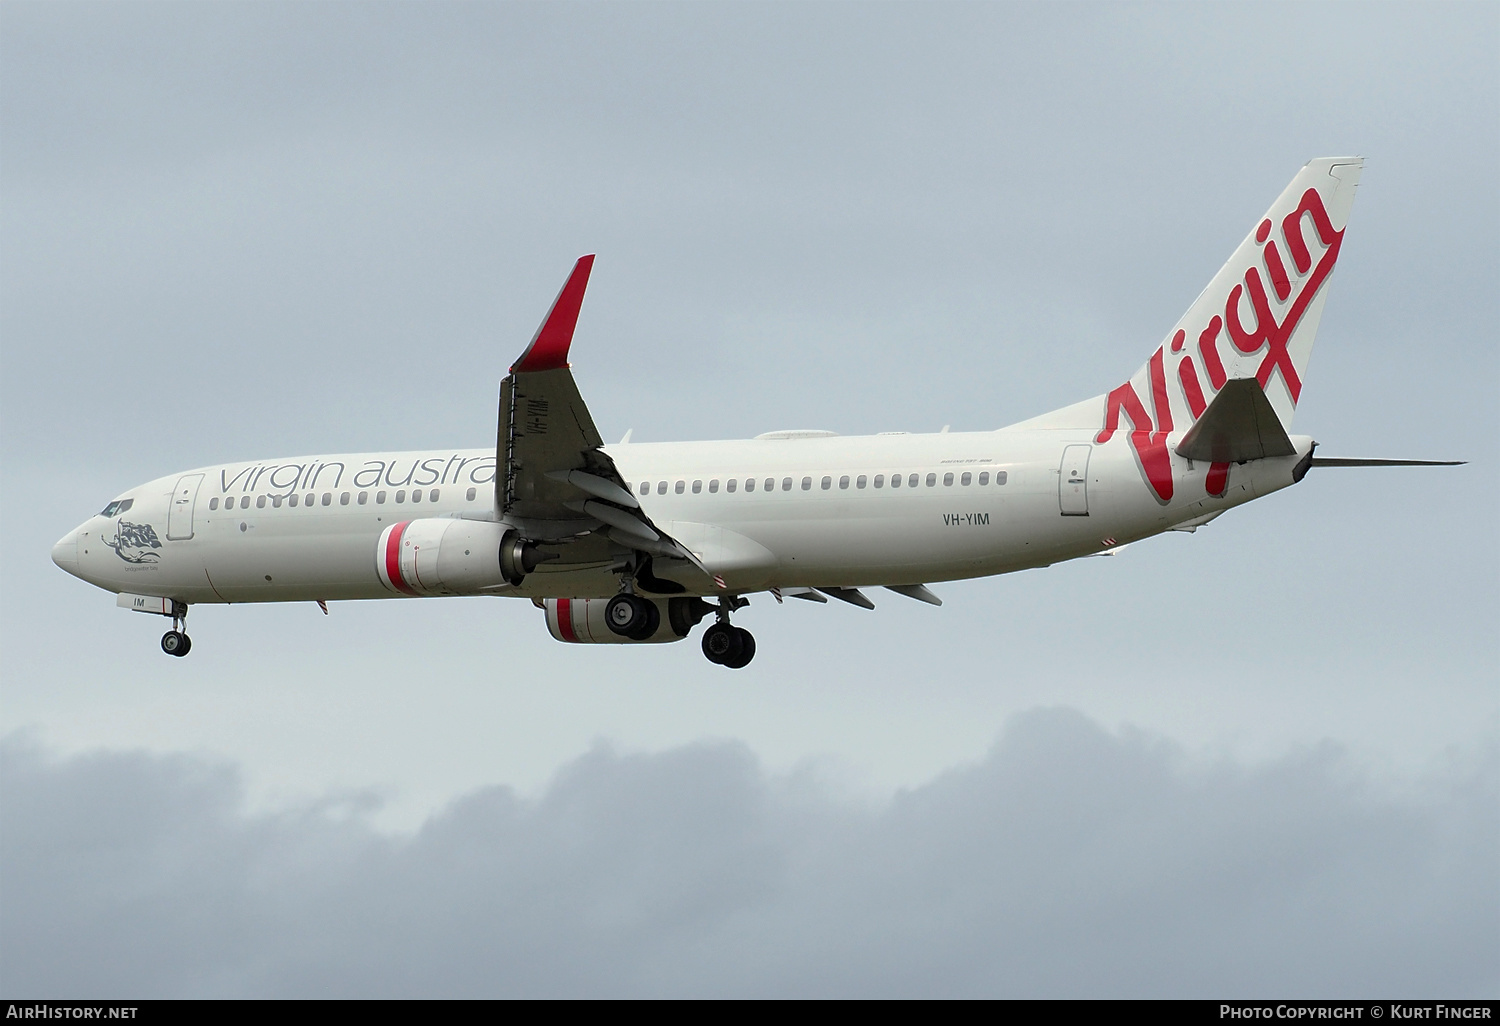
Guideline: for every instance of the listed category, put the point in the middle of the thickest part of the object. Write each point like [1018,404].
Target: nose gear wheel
[176,643]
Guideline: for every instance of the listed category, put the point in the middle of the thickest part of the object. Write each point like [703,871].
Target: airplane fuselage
[802,511]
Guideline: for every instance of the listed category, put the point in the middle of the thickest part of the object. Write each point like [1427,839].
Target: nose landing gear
[726,644]
[176,642]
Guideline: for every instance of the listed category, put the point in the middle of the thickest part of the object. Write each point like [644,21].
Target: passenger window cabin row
[312,499]
[731,485]
[750,484]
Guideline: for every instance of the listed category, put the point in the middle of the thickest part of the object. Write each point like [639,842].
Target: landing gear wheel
[722,644]
[747,650]
[653,621]
[630,616]
[176,643]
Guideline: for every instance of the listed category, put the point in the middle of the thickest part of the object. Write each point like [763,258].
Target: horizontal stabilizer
[1335,461]
[1238,425]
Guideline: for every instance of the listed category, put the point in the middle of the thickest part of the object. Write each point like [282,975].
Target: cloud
[1070,861]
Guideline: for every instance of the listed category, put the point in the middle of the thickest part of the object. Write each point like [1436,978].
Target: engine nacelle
[444,556]
[581,620]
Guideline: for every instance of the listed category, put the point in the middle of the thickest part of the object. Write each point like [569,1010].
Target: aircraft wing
[553,481]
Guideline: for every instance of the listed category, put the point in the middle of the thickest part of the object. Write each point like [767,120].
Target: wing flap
[915,591]
[853,596]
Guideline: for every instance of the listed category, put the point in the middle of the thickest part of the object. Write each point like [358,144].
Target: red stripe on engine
[393,558]
[565,619]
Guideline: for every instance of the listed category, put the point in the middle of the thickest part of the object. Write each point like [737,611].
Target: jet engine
[444,556]
[586,621]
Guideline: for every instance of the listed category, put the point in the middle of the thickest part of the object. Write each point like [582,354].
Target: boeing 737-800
[640,542]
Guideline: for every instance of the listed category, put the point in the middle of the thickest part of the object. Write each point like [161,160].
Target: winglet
[549,346]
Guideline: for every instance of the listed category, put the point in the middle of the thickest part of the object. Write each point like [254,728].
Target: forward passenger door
[180,514]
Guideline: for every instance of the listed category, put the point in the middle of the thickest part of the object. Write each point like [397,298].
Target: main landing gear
[631,616]
[639,619]
[726,644]
[176,642]
[627,614]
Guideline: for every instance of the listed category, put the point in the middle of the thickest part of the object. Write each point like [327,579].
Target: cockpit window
[117,507]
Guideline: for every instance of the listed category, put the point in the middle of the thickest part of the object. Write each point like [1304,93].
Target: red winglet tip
[549,347]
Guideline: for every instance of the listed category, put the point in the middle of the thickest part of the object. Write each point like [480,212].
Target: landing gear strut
[726,644]
[176,642]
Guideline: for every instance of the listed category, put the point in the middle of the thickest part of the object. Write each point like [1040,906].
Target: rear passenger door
[1073,481]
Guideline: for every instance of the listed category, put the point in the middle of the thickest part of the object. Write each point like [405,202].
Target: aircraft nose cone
[65,552]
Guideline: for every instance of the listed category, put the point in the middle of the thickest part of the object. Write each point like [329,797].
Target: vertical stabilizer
[1256,319]
[1258,316]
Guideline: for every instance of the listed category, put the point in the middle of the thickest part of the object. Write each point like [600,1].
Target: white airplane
[626,543]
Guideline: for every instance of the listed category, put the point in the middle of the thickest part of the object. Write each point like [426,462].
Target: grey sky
[235,231]
[1070,861]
